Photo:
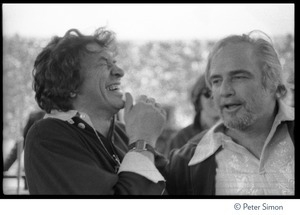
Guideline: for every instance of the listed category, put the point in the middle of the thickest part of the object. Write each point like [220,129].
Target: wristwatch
[140,146]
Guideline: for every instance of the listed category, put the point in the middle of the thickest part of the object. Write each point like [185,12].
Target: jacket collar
[211,141]
[68,115]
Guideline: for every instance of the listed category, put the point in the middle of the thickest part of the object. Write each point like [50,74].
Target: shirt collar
[211,141]
[68,115]
[285,112]
[208,145]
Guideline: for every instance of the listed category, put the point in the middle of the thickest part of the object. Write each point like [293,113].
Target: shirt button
[70,121]
[81,125]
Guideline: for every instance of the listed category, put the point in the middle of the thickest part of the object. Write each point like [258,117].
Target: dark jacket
[67,158]
[183,136]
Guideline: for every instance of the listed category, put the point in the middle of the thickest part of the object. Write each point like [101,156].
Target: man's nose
[227,89]
[117,71]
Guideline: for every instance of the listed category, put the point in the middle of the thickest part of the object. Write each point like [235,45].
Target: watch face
[140,144]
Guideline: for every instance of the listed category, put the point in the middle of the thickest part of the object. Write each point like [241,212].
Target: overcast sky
[149,21]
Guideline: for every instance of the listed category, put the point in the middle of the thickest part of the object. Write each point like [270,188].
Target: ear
[281,91]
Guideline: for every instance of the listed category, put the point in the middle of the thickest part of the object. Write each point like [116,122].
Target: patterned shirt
[239,172]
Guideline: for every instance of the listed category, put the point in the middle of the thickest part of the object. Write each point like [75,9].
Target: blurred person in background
[289,98]
[206,115]
[12,156]
[79,147]
[250,151]
[162,144]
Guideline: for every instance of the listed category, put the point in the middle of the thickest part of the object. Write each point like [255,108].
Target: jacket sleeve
[59,164]
[176,171]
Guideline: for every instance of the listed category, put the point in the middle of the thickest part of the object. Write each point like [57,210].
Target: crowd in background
[174,135]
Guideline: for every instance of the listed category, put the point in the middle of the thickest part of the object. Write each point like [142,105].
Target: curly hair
[56,71]
[266,54]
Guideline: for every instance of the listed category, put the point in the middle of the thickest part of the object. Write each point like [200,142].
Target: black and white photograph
[150,101]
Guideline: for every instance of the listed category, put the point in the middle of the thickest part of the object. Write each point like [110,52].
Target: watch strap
[141,145]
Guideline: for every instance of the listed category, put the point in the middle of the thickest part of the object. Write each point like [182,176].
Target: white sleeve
[140,164]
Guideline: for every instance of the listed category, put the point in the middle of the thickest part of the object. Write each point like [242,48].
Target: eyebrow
[238,72]
[103,58]
[107,60]
[233,73]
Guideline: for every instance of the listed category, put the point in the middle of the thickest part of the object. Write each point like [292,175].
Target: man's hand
[144,120]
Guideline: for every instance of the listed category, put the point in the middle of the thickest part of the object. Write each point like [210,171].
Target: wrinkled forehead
[236,50]
[233,58]
[95,48]
[239,55]
[96,53]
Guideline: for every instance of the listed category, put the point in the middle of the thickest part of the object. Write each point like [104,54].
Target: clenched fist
[144,120]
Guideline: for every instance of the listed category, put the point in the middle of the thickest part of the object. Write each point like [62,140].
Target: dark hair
[56,71]
[196,92]
[195,96]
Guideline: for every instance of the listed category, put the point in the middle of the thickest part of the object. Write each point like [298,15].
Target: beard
[240,121]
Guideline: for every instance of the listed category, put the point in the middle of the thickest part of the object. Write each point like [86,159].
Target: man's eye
[215,81]
[239,77]
[109,65]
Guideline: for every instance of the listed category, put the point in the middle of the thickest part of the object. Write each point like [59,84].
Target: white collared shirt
[239,172]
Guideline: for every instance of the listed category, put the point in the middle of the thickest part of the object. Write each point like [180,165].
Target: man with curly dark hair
[79,147]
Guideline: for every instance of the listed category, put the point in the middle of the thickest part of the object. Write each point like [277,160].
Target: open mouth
[113,87]
[231,107]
